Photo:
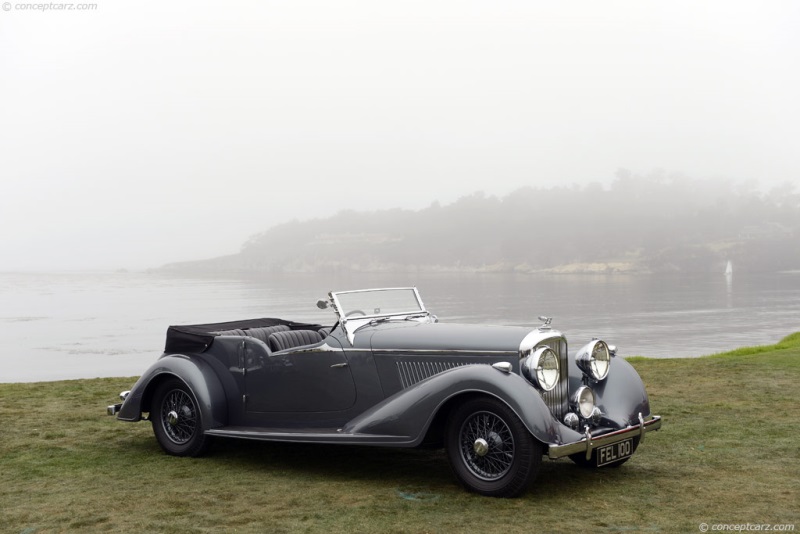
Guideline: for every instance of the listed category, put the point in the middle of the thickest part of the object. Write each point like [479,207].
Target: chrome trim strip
[316,348]
[437,351]
[589,444]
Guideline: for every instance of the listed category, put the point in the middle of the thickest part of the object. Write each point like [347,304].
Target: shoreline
[785,342]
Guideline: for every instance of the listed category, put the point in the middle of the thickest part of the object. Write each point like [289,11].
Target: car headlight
[594,359]
[584,401]
[541,368]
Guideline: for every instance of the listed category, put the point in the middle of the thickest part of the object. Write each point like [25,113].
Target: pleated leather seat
[264,332]
[293,338]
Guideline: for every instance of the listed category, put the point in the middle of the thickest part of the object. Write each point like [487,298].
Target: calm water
[84,325]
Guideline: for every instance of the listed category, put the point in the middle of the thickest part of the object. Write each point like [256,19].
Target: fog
[140,132]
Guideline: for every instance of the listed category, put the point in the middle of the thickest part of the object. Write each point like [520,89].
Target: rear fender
[410,412]
[201,379]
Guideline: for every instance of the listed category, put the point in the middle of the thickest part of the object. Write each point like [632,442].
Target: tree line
[640,223]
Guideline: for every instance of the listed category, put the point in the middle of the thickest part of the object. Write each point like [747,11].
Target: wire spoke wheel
[486,445]
[177,420]
[179,416]
[489,449]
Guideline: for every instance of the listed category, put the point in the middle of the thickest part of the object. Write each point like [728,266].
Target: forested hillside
[639,224]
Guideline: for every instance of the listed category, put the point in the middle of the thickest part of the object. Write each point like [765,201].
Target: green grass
[728,453]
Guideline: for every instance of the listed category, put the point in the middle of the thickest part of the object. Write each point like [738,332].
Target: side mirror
[322,304]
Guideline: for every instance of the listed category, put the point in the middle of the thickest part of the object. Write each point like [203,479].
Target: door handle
[336,365]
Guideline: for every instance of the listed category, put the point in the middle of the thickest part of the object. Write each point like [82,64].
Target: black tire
[490,450]
[177,422]
[591,463]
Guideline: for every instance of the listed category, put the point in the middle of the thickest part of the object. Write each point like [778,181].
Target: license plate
[616,451]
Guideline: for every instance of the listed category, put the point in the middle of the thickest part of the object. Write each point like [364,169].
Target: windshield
[378,302]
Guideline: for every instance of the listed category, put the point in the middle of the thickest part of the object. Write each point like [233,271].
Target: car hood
[443,336]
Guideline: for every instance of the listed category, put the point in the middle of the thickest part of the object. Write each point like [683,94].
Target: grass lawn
[728,453]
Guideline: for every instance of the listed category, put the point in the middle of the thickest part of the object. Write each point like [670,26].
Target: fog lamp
[584,401]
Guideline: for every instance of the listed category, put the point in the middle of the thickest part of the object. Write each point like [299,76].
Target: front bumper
[589,443]
[115,408]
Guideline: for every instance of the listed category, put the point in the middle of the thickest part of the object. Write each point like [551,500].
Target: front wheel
[177,422]
[490,450]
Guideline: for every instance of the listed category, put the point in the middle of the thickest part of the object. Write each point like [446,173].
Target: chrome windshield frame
[352,324]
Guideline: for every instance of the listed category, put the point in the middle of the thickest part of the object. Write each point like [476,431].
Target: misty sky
[145,132]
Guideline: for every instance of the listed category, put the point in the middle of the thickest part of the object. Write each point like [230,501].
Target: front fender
[621,396]
[198,375]
[410,412]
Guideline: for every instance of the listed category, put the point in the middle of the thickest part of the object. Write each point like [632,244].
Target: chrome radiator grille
[557,399]
[412,372]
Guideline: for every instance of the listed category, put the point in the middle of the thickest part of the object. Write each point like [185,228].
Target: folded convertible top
[197,337]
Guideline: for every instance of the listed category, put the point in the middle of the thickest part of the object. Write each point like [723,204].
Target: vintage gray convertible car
[388,373]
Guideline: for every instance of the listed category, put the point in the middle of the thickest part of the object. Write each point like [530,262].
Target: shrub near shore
[727,454]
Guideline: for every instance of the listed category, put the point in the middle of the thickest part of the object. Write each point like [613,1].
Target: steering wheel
[351,312]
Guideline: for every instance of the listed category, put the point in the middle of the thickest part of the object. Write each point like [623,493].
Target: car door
[306,379]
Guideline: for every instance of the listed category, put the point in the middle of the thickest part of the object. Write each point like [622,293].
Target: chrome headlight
[584,401]
[594,359]
[541,368]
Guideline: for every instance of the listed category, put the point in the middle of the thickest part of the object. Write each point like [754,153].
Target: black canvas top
[198,337]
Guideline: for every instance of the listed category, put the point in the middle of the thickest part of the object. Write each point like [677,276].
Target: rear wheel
[490,450]
[177,422]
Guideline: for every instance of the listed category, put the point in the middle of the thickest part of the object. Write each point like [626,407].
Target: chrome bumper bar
[115,408]
[589,443]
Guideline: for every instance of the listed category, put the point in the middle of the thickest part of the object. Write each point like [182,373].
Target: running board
[330,436]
